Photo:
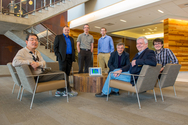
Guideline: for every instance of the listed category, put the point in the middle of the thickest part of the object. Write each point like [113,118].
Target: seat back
[149,77]
[53,65]
[28,83]
[75,67]
[14,74]
[169,75]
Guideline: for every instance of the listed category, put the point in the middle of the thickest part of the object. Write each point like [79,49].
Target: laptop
[95,71]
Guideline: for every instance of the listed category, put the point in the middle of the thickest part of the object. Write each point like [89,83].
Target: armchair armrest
[47,74]
[163,73]
[127,74]
[48,68]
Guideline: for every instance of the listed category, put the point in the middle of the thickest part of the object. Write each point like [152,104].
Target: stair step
[33,13]
[40,11]
[58,3]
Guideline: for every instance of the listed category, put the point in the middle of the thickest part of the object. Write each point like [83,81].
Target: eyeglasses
[32,40]
[158,43]
[120,48]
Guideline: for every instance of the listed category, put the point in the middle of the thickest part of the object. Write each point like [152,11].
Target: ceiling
[146,17]
[148,30]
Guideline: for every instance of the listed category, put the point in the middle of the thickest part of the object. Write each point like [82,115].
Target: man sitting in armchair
[30,56]
[145,56]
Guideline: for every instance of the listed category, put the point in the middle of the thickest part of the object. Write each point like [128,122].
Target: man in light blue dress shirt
[105,47]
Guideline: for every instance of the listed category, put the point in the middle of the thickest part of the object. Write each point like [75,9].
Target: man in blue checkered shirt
[163,55]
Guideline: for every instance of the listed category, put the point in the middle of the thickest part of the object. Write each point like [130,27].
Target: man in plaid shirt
[163,55]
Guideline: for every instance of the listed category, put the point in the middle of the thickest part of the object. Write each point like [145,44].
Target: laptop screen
[95,71]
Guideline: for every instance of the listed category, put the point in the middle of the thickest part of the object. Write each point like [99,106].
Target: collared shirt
[25,57]
[105,45]
[166,56]
[69,46]
[85,41]
[141,52]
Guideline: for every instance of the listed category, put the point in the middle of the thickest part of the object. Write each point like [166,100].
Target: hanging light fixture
[30,2]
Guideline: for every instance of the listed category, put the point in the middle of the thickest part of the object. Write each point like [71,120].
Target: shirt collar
[104,37]
[65,35]
[141,52]
[162,49]
[85,34]
[30,51]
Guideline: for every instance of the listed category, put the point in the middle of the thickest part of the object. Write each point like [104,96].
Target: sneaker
[63,93]
[73,93]
[57,94]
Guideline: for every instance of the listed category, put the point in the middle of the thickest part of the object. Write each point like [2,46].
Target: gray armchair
[28,82]
[168,77]
[146,81]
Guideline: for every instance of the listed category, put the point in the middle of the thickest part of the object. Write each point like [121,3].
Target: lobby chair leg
[13,88]
[32,100]
[161,95]
[21,94]
[138,100]
[154,95]
[160,90]
[174,91]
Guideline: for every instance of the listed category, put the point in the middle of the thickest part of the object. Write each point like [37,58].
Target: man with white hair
[145,56]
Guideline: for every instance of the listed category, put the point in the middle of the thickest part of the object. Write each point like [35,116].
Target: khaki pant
[103,59]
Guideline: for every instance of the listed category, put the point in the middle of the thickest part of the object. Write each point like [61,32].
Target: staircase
[15,28]
[46,39]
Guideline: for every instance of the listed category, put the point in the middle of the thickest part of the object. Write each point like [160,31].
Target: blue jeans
[125,78]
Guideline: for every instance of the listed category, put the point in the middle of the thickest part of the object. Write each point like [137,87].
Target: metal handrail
[48,38]
[44,7]
[30,12]
[48,29]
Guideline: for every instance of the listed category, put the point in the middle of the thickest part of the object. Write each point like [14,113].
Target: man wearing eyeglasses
[144,56]
[163,55]
[30,56]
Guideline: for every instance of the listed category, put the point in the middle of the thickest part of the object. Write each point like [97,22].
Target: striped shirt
[166,56]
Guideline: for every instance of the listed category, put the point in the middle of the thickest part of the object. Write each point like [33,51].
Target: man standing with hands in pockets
[85,49]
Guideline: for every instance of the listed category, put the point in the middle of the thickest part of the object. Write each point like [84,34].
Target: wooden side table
[84,83]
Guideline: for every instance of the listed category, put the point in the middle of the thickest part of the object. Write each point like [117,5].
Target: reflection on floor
[86,109]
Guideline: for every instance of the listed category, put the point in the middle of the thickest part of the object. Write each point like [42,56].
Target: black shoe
[143,92]
[100,95]
[114,93]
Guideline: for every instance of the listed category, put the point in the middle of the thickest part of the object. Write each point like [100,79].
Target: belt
[104,53]
[85,49]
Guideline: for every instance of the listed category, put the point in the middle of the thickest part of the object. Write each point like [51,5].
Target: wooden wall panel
[8,50]
[57,23]
[176,39]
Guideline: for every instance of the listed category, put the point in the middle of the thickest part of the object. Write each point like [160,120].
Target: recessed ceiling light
[160,11]
[123,20]
[97,27]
